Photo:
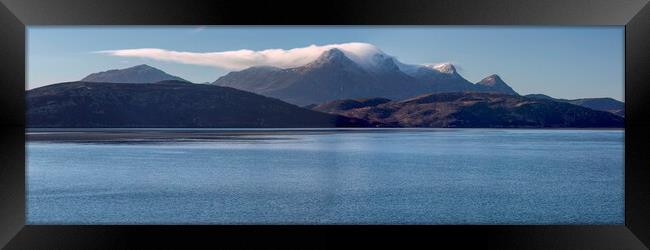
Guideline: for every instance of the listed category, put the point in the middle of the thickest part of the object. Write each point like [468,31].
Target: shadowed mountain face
[166,104]
[603,104]
[475,110]
[137,74]
[334,76]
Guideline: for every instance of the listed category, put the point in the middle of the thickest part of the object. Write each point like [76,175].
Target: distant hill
[494,84]
[472,110]
[338,74]
[166,104]
[137,74]
[603,104]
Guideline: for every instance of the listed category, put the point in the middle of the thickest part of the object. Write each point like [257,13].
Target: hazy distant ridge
[486,110]
[137,74]
[604,103]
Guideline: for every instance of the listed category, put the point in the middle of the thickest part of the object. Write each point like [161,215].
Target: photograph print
[284,125]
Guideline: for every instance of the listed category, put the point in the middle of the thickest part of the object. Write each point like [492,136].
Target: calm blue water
[400,176]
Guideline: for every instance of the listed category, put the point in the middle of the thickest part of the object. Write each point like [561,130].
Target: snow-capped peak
[366,55]
[335,55]
[361,53]
[445,68]
[440,68]
[493,77]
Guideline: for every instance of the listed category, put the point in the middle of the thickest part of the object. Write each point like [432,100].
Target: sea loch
[326,176]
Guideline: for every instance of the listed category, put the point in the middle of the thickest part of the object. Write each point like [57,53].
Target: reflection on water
[325,176]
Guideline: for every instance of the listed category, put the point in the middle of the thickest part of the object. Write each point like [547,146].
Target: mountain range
[337,89]
[335,75]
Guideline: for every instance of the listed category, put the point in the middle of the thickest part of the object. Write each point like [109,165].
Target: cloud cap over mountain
[361,53]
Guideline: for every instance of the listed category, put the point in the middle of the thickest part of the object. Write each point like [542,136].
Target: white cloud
[241,59]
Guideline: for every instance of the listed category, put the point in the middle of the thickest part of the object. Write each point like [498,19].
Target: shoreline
[129,129]
[144,135]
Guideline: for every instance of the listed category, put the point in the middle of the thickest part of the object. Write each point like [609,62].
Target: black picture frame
[15,15]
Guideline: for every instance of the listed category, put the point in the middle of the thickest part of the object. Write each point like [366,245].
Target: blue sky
[563,62]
